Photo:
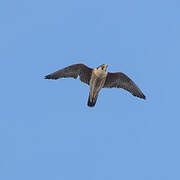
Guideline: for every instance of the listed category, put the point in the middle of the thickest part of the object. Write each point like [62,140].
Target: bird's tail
[92,100]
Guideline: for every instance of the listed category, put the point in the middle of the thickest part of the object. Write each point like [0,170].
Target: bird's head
[102,67]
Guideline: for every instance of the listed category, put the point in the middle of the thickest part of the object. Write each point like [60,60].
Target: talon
[94,95]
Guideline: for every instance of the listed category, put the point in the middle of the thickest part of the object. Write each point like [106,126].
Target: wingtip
[144,97]
[46,77]
[50,77]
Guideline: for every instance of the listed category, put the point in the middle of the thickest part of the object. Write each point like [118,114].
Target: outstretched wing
[120,80]
[73,71]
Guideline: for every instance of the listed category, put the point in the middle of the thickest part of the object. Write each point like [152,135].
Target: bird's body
[97,79]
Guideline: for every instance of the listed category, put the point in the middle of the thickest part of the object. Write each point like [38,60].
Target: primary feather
[120,80]
[73,71]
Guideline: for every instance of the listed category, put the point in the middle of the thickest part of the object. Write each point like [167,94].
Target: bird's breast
[97,80]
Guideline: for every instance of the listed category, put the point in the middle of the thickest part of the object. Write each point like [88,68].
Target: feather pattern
[73,71]
[120,80]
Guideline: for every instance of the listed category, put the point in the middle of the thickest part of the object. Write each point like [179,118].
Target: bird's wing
[73,71]
[120,80]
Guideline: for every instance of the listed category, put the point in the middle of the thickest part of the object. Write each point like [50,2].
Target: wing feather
[73,71]
[120,80]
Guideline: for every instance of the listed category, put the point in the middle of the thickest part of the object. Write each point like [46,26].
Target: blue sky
[46,129]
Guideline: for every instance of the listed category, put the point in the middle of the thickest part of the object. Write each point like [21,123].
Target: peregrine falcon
[97,79]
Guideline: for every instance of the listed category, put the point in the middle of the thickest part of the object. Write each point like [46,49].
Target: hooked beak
[105,66]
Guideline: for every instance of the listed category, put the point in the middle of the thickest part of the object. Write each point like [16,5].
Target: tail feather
[92,101]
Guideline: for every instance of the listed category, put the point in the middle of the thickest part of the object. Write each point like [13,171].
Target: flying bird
[97,79]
